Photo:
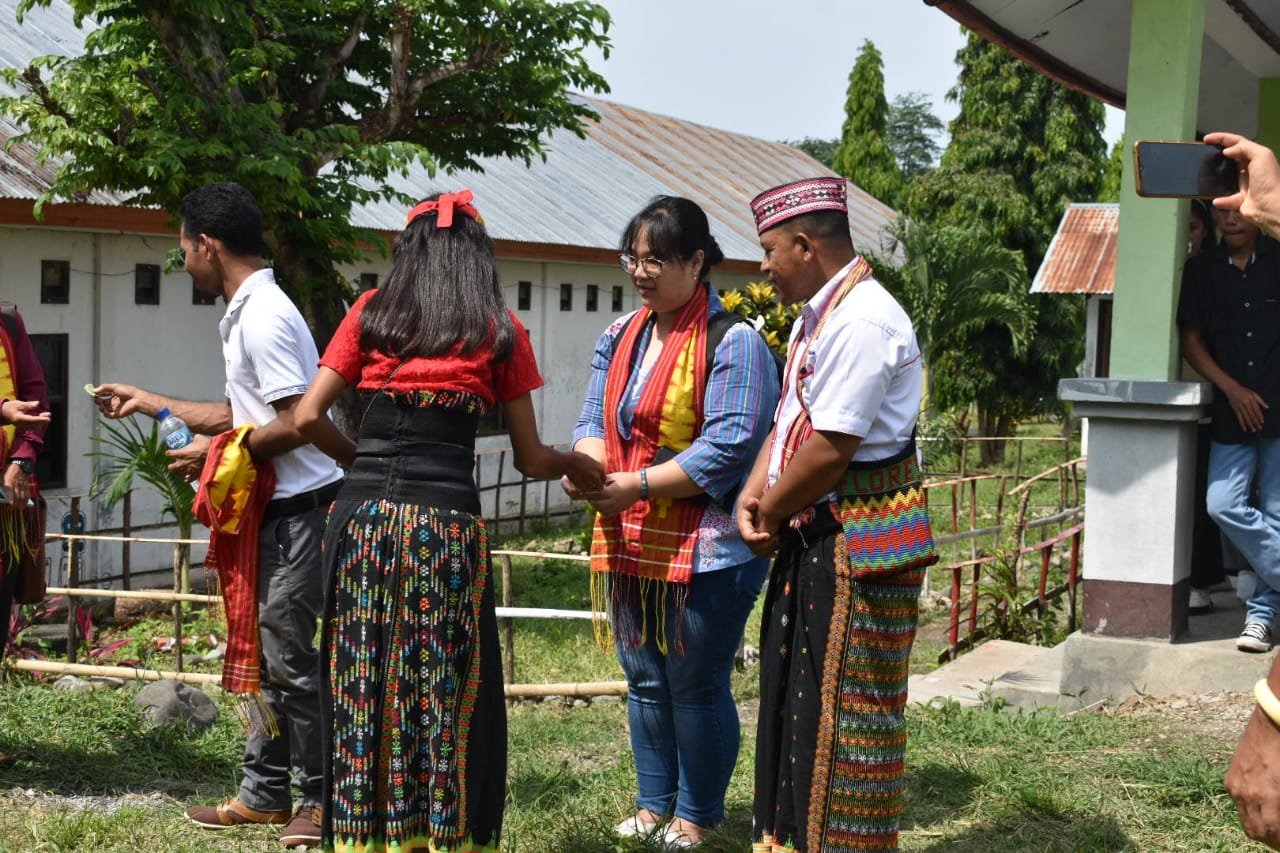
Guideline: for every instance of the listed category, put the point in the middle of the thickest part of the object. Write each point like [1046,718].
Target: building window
[566,297]
[55,282]
[198,298]
[617,299]
[51,464]
[146,284]
[368,281]
[593,297]
[524,295]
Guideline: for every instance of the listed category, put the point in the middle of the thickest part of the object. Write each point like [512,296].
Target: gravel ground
[1217,716]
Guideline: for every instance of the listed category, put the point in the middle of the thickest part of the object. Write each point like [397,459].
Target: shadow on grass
[937,793]
[543,790]
[1044,834]
[167,759]
[589,834]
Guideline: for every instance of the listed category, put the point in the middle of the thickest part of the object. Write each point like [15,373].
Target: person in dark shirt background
[1229,317]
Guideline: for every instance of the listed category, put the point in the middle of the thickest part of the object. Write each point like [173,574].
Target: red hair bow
[444,206]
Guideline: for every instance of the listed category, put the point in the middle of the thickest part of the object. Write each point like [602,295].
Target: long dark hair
[677,228]
[443,289]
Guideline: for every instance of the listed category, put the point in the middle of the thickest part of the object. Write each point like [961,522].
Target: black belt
[298,504]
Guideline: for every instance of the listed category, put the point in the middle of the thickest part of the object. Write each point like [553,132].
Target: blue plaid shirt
[738,406]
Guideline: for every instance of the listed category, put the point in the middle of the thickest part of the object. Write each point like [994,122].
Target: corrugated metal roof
[581,195]
[1082,256]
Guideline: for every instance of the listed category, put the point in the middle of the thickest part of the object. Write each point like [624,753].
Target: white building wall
[172,347]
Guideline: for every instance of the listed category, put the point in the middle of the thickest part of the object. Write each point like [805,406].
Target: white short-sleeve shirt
[270,355]
[863,376]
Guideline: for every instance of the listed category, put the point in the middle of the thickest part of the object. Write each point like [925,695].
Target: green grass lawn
[88,776]
[978,780]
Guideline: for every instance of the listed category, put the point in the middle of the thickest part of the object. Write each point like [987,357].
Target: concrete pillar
[1165,42]
[1142,424]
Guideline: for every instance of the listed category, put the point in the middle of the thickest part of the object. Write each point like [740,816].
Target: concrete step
[1093,668]
[966,679]
[1035,684]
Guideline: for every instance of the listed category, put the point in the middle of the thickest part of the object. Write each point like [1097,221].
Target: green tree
[1110,190]
[954,282]
[314,105]
[1021,148]
[912,133]
[126,451]
[864,156]
[822,150]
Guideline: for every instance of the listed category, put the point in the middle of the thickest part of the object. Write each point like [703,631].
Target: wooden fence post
[508,626]
[73,578]
[177,608]
[125,550]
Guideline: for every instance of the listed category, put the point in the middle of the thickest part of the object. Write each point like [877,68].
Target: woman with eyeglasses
[417,747]
[679,402]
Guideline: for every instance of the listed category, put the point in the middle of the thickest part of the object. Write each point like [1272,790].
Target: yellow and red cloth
[233,494]
[8,387]
[653,541]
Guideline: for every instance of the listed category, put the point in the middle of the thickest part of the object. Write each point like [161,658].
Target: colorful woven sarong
[840,619]
[418,751]
[233,493]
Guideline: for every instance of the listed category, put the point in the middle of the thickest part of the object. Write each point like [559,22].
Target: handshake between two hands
[615,492]
[610,494]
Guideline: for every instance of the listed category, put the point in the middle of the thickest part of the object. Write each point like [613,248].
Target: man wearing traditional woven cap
[837,493]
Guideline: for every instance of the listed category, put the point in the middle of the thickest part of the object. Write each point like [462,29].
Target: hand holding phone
[1183,170]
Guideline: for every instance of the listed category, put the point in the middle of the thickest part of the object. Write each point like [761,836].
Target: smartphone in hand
[1183,170]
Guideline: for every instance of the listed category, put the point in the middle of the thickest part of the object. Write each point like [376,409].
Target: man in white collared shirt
[837,493]
[270,359]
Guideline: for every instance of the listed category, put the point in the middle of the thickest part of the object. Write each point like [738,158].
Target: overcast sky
[776,70]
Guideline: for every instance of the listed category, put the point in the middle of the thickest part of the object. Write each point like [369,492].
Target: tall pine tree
[912,134]
[1022,148]
[864,156]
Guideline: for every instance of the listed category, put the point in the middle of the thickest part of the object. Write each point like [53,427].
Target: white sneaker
[1256,637]
[635,826]
[1199,601]
[676,841]
[1246,585]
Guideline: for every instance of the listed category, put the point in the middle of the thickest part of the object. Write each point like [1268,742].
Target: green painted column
[1269,112]
[1166,38]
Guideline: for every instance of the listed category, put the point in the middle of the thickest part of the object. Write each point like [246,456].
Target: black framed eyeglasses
[182,256]
[652,266]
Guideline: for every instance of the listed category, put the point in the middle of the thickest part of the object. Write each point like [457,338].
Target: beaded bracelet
[644,484]
[1267,700]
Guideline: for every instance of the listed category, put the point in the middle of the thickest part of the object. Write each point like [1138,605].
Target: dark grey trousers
[290,598]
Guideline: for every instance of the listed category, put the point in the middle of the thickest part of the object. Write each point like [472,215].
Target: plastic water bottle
[174,430]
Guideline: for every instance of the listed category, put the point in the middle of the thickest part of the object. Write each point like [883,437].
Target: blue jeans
[1255,531]
[683,720]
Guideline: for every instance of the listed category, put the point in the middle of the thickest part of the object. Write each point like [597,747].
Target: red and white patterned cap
[775,206]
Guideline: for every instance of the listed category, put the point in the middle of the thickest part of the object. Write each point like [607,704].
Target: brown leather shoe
[304,828]
[232,813]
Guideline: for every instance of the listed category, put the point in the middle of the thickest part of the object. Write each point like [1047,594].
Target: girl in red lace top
[412,669]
